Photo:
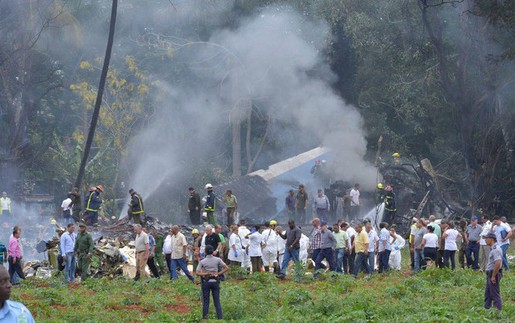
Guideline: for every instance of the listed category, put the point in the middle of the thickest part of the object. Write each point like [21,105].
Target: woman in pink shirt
[15,256]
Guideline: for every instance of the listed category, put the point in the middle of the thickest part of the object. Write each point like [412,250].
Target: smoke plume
[272,60]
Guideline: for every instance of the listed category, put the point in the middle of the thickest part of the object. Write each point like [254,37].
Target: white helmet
[208,186]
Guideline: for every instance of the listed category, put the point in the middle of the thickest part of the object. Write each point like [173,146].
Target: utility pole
[100,93]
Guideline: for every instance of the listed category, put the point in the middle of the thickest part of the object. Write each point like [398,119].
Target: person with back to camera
[210,269]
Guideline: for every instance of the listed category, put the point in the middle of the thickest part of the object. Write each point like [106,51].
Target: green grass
[433,295]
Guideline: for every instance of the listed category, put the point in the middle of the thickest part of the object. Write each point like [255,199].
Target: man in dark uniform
[301,204]
[76,204]
[194,206]
[136,210]
[390,209]
[210,205]
[83,251]
[93,205]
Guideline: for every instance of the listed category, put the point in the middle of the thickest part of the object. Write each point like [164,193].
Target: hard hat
[379,185]
[100,188]
[273,222]
[396,155]
[208,186]
[324,161]
[194,231]
[53,222]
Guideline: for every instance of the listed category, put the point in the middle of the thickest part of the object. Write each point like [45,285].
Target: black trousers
[15,267]
[195,217]
[211,287]
[152,266]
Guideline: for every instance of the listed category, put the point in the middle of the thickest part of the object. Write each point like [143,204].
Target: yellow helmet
[53,222]
[194,231]
[380,186]
[396,155]
[273,222]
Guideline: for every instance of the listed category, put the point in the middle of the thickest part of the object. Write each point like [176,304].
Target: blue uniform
[13,312]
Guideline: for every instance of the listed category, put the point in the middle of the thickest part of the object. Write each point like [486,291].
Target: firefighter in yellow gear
[136,209]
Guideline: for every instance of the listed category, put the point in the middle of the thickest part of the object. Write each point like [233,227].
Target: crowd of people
[341,248]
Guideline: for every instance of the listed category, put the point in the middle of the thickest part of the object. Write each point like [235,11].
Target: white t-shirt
[303,251]
[354,194]
[431,240]
[243,232]
[255,240]
[498,229]
[486,228]
[351,233]
[450,240]
[66,204]
[372,239]
[167,245]
[234,240]
[281,244]
[270,239]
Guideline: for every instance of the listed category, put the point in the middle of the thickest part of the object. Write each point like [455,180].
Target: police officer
[493,273]
[136,210]
[210,269]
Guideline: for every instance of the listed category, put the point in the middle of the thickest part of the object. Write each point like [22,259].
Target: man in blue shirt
[385,247]
[151,254]
[67,244]
[10,311]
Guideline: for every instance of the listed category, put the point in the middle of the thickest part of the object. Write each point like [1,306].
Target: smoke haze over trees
[203,91]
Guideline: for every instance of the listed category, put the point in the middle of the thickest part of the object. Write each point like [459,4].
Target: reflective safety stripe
[140,203]
[89,201]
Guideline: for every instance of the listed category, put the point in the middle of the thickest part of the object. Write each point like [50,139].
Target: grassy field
[434,295]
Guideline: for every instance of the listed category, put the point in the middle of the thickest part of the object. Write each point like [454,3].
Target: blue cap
[323,223]
[490,235]
[474,218]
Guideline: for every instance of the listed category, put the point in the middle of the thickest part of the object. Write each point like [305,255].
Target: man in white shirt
[270,247]
[243,232]
[167,250]
[348,266]
[355,202]
[503,232]
[5,204]
[179,253]
[67,244]
[484,247]
[66,210]
[373,247]
[321,206]
[142,245]
[254,249]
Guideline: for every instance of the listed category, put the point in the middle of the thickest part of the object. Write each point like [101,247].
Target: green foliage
[432,295]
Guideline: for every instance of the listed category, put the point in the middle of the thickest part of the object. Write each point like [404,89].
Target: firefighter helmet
[380,186]
[208,186]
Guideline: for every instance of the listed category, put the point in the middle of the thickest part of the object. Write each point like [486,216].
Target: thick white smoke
[272,59]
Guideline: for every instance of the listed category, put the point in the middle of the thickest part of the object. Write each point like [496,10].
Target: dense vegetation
[434,295]
[434,78]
